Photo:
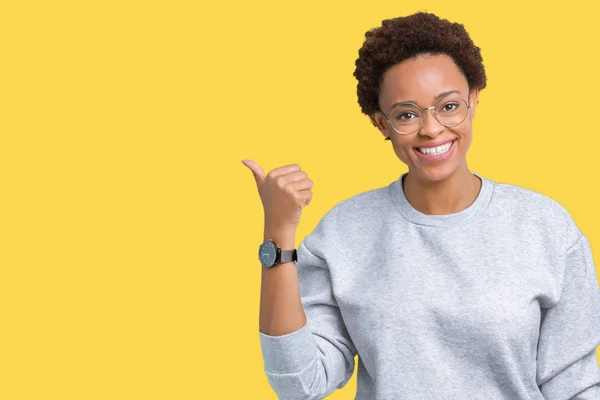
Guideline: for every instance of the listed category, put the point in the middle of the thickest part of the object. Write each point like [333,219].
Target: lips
[435,157]
[436,144]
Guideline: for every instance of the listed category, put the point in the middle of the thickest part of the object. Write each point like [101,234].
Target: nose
[430,126]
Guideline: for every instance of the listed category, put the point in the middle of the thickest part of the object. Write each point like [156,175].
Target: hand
[284,191]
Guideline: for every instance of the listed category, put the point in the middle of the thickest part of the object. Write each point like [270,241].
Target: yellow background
[130,228]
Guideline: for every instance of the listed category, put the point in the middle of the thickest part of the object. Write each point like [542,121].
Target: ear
[378,120]
[474,100]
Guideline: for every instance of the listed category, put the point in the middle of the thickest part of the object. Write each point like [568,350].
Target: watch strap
[288,255]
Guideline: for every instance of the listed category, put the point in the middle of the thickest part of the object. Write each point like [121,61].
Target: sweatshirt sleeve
[315,360]
[567,364]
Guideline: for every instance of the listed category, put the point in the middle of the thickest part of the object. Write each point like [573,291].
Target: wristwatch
[270,254]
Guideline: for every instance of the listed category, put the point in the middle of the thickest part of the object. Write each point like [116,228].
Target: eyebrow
[436,99]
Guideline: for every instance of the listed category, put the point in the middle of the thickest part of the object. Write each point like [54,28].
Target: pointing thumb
[257,171]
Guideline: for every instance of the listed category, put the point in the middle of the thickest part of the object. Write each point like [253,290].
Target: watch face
[267,253]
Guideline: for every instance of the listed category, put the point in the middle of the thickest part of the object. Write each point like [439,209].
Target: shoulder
[526,201]
[359,207]
[532,208]
[350,214]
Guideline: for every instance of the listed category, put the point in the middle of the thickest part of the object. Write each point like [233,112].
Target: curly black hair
[406,37]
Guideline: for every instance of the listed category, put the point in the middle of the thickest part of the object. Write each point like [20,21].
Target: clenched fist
[284,191]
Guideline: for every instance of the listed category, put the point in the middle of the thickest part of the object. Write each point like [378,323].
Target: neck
[448,196]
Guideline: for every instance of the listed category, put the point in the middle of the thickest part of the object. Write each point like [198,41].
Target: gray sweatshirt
[497,301]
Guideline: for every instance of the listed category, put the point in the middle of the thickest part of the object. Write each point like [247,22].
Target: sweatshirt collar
[413,215]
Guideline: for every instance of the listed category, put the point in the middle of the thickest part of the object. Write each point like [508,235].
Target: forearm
[281,310]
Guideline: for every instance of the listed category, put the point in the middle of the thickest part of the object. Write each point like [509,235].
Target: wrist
[285,239]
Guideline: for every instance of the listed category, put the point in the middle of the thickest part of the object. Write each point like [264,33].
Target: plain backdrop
[129,228]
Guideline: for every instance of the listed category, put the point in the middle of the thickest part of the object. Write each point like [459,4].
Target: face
[420,81]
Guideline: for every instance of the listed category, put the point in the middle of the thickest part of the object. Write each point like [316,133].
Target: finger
[303,184]
[283,170]
[259,174]
[306,196]
[292,176]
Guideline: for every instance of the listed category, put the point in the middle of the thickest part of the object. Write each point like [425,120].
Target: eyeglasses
[406,118]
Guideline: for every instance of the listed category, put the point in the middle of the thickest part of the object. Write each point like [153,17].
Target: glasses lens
[406,118]
[451,110]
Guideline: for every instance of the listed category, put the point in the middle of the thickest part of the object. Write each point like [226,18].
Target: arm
[567,364]
[281,311]
[307,351]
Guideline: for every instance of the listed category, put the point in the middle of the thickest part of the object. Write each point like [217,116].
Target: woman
[447,285]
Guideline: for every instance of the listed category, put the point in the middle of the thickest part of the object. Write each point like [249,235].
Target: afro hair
[406,37]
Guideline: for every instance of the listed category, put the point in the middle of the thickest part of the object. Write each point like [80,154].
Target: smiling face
[421,80]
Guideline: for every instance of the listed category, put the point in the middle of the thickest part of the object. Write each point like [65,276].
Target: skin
[445,187]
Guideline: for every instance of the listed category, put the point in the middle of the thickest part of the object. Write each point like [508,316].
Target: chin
[436,173]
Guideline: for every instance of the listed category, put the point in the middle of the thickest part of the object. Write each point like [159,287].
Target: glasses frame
[422,116]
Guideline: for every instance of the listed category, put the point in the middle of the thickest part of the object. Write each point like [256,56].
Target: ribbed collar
[413,215]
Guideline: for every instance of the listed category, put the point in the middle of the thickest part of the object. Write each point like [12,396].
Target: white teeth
[435,150]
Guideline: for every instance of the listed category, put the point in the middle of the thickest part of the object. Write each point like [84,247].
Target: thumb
[257,171]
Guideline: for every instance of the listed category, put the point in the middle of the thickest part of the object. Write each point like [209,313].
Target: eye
[448,107]
[401,117]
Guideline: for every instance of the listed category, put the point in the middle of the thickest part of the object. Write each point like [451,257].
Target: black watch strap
[288,256]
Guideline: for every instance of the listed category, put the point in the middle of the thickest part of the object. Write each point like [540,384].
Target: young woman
[446,284]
